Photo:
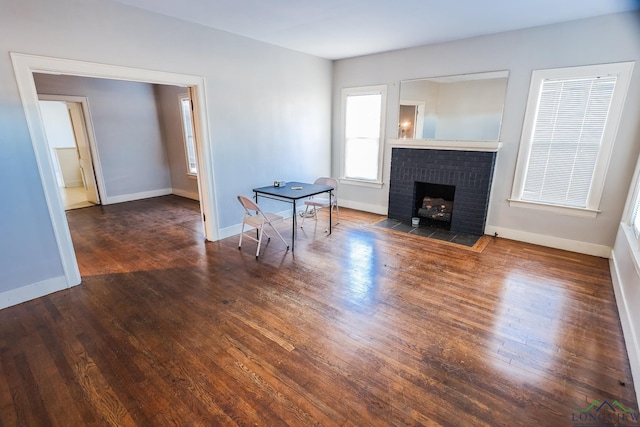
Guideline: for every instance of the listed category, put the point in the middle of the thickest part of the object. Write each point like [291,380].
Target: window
[569,130]
[364,112]
[631,219]
[635,217]
[187,131]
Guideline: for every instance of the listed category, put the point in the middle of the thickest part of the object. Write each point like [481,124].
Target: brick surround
[470,171]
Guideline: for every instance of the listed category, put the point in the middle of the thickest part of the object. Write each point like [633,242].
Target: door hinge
[204,218]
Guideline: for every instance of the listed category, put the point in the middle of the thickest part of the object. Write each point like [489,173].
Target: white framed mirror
[465,107]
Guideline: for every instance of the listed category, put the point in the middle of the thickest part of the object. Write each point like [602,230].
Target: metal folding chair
[256,218]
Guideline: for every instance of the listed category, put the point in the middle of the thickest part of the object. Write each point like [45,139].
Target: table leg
[293,231]
[255,196]
[330,209]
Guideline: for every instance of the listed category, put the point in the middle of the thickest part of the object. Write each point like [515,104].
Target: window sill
[361,183]
[192,176]
[563,210]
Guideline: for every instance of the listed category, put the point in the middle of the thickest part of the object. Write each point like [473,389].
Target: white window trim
[623,72]
[361,182]
[181,97]
[363,90]
[632,235]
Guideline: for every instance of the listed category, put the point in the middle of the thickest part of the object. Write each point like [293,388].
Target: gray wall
[611,38]
[171,121]
[127,130]
[269,111]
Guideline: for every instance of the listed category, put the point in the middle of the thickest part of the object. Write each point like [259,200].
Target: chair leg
[304,215]
[259,240]
[279,235]
[338,210]
[241,234]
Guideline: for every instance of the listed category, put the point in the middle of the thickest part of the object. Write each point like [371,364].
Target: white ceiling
[337,29]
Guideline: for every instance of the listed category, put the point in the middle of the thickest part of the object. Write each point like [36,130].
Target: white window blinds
[569,124]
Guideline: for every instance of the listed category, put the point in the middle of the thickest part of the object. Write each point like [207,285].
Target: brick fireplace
[470,172]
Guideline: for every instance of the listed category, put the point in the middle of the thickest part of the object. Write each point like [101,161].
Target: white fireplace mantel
[434,144]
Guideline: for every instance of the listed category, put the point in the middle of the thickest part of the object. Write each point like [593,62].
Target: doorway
[411,120]
[24,67]
[67,125]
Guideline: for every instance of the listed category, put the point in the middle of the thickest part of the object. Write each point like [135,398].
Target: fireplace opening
[433,204]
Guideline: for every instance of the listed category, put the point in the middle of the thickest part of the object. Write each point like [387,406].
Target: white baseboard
[74,183]
[32,291]
[229,231]
[137,196]
[185,194]
[631,338]
[550,241]
[365,207]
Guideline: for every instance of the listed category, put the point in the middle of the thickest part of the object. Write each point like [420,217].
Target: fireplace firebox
[433,204]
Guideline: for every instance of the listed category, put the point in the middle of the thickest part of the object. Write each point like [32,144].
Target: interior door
[411,119]
[84,155]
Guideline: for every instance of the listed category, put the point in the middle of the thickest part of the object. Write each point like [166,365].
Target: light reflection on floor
[361,266]
[525,332]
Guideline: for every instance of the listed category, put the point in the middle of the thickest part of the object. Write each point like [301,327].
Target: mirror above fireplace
[466,107]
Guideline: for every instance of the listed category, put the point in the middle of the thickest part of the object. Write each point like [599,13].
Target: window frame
[632,209]
[635,212]
[355,91]
[181,98]
[622,71]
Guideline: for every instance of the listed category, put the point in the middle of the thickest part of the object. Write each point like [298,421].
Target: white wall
[626,284]
[625,274]
[612,38]
[269,114]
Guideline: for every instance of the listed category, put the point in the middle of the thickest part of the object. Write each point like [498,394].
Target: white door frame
[25,65]
[91,136]
[418,125]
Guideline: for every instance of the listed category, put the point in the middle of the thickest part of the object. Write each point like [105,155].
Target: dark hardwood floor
[363,327]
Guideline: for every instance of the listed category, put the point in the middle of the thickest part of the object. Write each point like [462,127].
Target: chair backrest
[331,182]
[248,205]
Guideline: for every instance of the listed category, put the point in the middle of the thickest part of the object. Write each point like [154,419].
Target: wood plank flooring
[363,327]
